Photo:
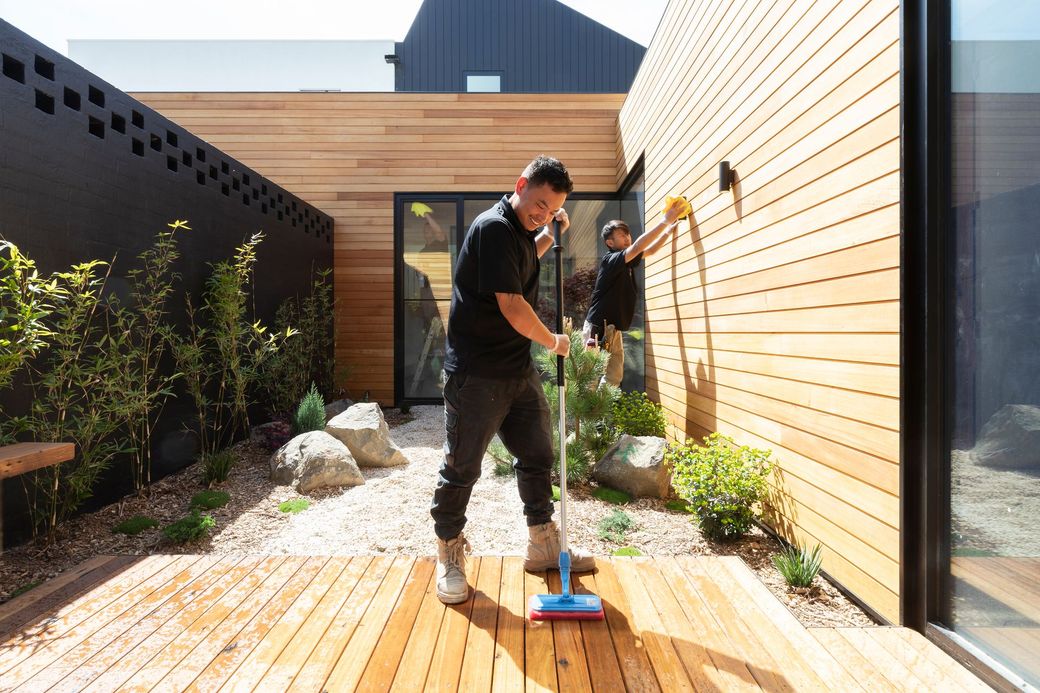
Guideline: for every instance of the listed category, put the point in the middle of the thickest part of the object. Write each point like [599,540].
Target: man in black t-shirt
[491,385]
[614,297]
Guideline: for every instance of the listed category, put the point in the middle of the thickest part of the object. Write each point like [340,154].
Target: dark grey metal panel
[88,172]
[536,46]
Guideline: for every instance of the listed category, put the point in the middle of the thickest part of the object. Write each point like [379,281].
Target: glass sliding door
[429,232]
[993,405]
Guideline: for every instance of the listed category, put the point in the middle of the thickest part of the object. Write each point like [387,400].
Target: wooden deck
[278,623]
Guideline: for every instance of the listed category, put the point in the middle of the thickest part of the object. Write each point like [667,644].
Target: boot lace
[456,555]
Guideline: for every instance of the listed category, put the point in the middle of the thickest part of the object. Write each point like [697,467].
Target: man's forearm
[522,318]
[643,243]
[543,242]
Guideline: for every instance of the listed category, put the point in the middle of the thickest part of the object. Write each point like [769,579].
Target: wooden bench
[25,457]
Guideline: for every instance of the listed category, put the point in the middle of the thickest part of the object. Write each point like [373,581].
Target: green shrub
[285,375]
[216,467]
[310,414]
[296,505]
[210,500]
[589,406]
[611,495]
[678,506]
[798,566]
[190,528]
[627,551]
[556,494]
[723,483]
[614,526]
[638,415]
[135,525]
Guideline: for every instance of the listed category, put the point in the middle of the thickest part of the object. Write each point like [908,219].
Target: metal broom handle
[558,249]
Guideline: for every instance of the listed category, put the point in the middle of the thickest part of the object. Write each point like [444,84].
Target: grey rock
[333,409]
[314,460]
[636,466]
[363,429]
[1011,439]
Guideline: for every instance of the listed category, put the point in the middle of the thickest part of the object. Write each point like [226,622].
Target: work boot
[451,570]
[543,551]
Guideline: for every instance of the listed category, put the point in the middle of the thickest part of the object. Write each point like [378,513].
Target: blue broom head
[548,607]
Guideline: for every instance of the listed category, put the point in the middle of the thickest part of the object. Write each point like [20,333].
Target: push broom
[564,606]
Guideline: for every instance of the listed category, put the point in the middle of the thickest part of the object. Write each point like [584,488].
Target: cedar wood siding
[347,154]
[775,319]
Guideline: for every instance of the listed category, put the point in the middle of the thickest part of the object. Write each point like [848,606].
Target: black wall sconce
[392,58]
[725,176]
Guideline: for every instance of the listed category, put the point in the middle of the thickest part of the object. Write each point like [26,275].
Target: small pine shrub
[405,409]
[678,506]
[294,506]
[216,467]
[611,495]
[638,415]
[210,500]
[502,458]
[310,415]
[190,528]
[798,566]
[135,525]
[614,526]
[627,551]
[723,483]
[556,494]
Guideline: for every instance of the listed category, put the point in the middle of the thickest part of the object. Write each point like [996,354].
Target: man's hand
[565,221]
[561,345]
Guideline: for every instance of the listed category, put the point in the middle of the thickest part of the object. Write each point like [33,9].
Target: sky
[53,22]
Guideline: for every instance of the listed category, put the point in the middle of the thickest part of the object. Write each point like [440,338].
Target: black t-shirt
[614,297]
[498,256]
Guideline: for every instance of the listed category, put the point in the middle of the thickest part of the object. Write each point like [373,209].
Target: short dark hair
[548,169]
[613,225]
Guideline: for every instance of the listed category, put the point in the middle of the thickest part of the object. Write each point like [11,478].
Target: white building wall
[133,65]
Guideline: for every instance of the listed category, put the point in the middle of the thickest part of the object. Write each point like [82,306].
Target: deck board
[206,623]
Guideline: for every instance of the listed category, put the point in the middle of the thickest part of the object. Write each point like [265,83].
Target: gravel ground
[390,514]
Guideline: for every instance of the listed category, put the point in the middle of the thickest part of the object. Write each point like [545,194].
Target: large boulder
[636,466]
[337,407]
[1011,439]
[363,429]
[314,460]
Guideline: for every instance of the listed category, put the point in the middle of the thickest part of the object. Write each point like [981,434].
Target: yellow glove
[678,202]
[419,209]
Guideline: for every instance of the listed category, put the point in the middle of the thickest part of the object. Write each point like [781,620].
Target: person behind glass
[492,385]
[613,302]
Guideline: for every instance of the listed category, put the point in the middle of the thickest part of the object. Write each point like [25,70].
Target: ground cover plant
[722,482]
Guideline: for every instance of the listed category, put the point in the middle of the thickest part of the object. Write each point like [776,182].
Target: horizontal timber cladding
[775,317]
[349,153]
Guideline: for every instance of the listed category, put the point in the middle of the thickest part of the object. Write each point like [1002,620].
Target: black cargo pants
[475,408]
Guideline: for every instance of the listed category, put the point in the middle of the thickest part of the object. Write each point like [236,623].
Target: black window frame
[926,287]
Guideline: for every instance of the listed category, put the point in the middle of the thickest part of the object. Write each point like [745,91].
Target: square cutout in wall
[119,123]
[137,146]
[200,154]
[72,99]
[171,138]
[44,68]
[213,172]
[137,120]
[14,69]
[95,96]
[224,168]
[45,102]
[225,189]
[95,127]
[156,142]
[200,177]
[171,163]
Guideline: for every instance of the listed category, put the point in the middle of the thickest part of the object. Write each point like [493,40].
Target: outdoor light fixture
[392,58]
[725,176]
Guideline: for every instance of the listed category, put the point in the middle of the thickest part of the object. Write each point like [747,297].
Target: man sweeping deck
[492,385]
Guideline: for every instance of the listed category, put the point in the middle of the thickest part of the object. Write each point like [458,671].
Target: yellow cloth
[684,209]
[419,209]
